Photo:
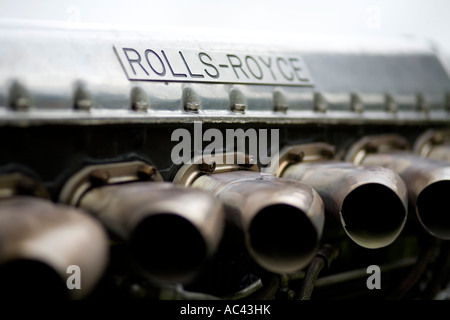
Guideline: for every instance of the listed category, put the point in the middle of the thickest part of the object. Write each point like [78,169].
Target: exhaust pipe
[282,220]
[427,180]
[172,230]
[370,202]
[39,244]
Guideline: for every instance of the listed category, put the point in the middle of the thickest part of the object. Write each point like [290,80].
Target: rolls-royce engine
[158,166]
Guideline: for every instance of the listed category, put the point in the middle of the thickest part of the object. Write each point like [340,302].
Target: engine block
[171,166]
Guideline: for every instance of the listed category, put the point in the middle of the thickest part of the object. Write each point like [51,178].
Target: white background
[428,19]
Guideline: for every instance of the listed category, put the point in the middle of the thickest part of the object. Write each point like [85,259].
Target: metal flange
[106,174]
[224,162]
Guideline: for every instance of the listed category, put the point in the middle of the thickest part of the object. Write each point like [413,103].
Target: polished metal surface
[103,174]
[282,219]
[142,63]
[352,195]
[52,74]
[43,240]
[93,116]
[427,180]
[172,229]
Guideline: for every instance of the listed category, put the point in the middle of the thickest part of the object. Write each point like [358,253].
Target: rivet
[146,172]
[447,101]
[390,104]
[191,101]
[19,98]
[296,155]
[139,100]
[328,151]
[356,103]
[280,108]
[189,106]
[238,103]
[82,99]
[249,161]
[238,107]
[280,103]
[26,186]
[207,166]
[320,104]
[421,103]
[437,138]
[99,177]
[371,147]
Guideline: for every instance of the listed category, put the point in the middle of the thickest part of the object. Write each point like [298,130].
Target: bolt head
[296,155]
[147,173]
[99,177]
[207,166]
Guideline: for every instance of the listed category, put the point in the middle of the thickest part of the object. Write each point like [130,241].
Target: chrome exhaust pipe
[40,242]
[370,202]
[172,230]
[282,220]
[427,180]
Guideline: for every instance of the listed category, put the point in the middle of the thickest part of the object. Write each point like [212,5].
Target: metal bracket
[375,144]
[16,183]
[106,174]
[218,163]
[430,139]
[309,152]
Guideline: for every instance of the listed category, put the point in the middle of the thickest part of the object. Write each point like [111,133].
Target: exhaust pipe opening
[169,246]
[431,204]
[370,201]
[40,240]
[427,180]
[170,230]
[282,237]
[31,279]
[373,224]
[281,219]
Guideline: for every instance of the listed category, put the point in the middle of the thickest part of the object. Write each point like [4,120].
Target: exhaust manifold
[171,230]
[40,243]
[428,180]
[282,220]
[370,201]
